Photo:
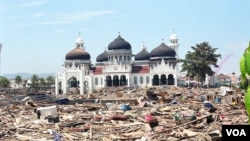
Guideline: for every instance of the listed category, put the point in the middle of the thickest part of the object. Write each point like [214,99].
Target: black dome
[77,54]
[119,43]
[102,57]
[163,51]
[142,55]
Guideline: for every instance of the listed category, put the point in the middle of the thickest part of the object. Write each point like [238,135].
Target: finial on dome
[173,30]
[162,40]
[79,34]
[143,46]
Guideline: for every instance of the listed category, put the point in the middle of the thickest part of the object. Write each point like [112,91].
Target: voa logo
[236,132]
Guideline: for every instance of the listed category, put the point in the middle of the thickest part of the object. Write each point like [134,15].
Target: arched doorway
[163,79]
[108,81]
[73,83]
[60,88]
[115,80]
[155,80]
[170,79]
[123,81]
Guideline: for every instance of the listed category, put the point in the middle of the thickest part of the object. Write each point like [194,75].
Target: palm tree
[198,63]
[42,82]
[18,80]
[50,81]
[34,82]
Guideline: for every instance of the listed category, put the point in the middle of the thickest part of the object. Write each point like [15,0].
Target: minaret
[174,42]
[175,45]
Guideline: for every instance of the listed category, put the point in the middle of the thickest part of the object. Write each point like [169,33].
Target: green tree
[50,80]
[42,82]
[4,82]
[18,80]
[34,82]
[199,62]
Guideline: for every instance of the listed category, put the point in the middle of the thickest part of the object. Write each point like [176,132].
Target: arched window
[96,81]
[101,81]
[135,80]
[141,79]
[120,58]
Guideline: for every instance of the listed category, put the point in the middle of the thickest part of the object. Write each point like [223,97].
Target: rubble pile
[152,114]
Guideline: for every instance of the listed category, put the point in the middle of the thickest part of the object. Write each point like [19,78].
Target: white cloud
[32,3]
[60,30]
[76,17]
[69,18]
[37,15]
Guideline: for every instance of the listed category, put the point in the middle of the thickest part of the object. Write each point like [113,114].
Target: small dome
[102,57]
[173,37]
[142,55]
[77,54]
[163,51]
[119,43]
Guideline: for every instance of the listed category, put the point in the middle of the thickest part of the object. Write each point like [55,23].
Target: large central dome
[119,43]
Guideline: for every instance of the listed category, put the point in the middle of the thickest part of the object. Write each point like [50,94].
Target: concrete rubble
[149,114]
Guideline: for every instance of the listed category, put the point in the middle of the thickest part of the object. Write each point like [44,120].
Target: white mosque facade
[117,67]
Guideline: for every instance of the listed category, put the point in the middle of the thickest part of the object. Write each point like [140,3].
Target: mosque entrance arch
[155,80]
[108,81]
[163,79]
[170,79]
[73,83]
[60,88]
[115,80]
[123,80]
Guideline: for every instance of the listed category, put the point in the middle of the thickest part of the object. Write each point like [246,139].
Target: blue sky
[37,34]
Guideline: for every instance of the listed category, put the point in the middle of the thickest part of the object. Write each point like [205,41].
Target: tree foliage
[50,80]
[198,63]
[18,79]
[42,82]
[34,81]
[4,82]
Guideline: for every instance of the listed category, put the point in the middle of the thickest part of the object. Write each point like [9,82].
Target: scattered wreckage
[152,114]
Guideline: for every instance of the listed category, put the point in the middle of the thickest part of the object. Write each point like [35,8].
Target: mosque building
[117,66]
